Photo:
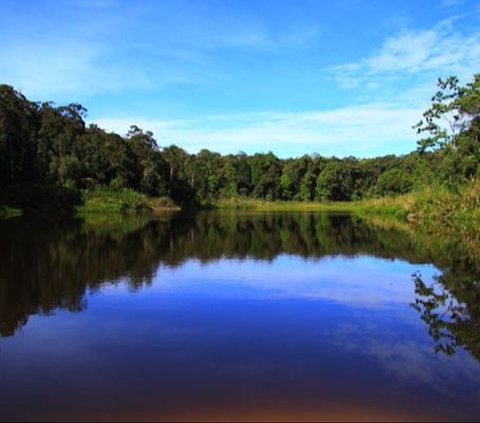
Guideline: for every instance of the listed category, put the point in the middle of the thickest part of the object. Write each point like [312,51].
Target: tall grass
[122,200]
[108,200]
[242,203]
[8,212]
[429,206]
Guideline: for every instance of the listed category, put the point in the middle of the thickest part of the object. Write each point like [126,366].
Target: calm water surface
[278,316]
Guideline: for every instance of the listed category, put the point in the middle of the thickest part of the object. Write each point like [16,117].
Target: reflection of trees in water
[450,307]
[47,267]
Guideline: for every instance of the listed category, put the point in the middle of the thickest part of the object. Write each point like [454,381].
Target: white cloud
[389,281]
[425,54]
[408,361]
[355,130]
[105,47]
[450,4]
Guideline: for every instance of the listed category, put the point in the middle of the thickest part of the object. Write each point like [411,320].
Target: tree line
[46,144]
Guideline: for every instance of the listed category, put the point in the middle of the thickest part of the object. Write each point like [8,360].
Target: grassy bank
[242,203]
[432,207]
[108,201]
[54,201]
[381,206]
[429,207]
[105,200]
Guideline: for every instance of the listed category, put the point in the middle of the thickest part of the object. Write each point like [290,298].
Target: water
[221,316]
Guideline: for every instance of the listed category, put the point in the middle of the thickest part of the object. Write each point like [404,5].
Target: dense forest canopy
[45,144]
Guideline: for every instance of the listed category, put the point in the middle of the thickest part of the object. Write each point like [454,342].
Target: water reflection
[44,267]
[235,316]
[451,309]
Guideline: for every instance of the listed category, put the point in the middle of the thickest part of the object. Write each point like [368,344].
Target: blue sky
[293,77]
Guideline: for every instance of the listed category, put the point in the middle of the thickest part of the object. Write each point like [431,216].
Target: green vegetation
[7,212]
[48,147]
[122,200]
[385,206]
[239,203]
[107,200]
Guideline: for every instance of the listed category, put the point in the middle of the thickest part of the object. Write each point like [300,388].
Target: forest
[49,149]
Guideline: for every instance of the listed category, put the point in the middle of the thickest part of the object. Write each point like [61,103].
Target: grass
[8,212]
[429,207]
[393,207]
[107,200]
[263,205]
[158,204]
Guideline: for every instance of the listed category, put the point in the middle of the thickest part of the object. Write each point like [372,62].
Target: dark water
[273,316]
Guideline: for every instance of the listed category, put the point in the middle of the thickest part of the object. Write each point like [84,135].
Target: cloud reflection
[362,281]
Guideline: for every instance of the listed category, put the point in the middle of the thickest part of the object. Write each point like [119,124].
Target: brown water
[227,316]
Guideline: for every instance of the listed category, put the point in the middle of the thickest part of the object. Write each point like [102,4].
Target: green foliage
[394,181]
[162,203]
[7,212]
[335,182]
[454,110]
[452,124]
[45,144]
[108,200]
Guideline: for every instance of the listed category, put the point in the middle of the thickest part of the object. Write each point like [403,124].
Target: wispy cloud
[426,53]
[69,68]
[356,130]
[450,4]
[107,46]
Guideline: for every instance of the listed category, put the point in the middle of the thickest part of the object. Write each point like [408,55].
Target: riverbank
[429,207]
[388,206]
[105,200]
[55,201]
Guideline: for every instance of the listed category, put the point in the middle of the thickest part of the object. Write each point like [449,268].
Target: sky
[344,78]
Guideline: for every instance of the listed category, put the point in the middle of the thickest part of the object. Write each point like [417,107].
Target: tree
[394,181]
[150,170]
[292,174]
[454,110]
[334,182]
[18,127]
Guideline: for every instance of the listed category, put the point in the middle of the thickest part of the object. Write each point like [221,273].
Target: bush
[394,181]
[107,199]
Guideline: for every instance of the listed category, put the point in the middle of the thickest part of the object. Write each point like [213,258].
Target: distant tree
[150,170]
[292,174]
[452,124]
[454,110]
[394,181]
[334,182]
[266,171]
[18,128]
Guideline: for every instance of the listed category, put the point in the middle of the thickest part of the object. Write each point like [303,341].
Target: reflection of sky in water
[291,333]
[362,281]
